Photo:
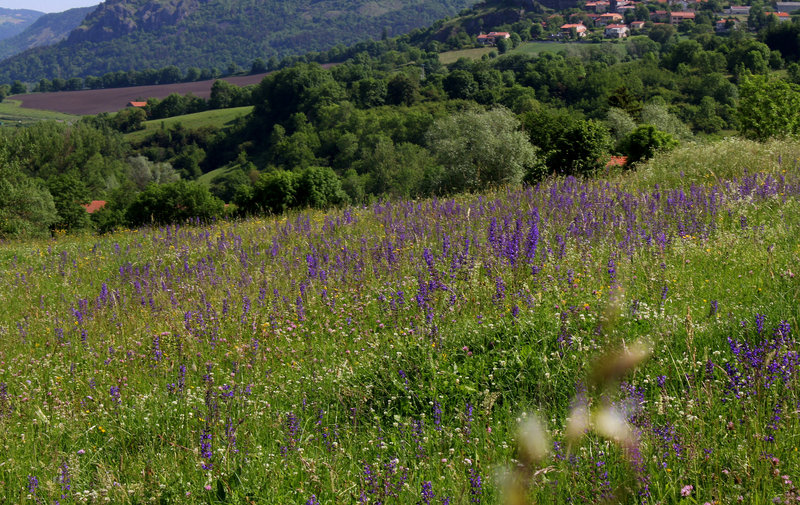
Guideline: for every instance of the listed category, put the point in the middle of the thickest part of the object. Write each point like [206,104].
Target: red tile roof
[94,206]
[137,104]
[617,161]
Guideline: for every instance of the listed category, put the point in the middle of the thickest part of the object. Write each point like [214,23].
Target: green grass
[12,114]
[579,49]
[449,57]
[378,351]
[218,118]
[209,177]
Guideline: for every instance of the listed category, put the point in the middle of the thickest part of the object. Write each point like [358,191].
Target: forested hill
[14,21]
[139,34]
[46,30]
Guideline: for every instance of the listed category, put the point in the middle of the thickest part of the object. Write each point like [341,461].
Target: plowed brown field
[95,101]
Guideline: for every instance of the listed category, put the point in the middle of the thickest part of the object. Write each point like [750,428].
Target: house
[617,161]
[787,6]
[739,10]
[599,6]
[637,25]
[725,25]
[94,206]
[580,29]
[491,38]
[659,16]
[608,18]
[675,18]
[137,104]
[616,31]
[782,16]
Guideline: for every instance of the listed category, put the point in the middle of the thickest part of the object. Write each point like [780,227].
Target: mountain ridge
[46,30]
[124,35]
[14,21]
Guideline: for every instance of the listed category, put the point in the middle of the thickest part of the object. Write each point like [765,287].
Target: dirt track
[95,101]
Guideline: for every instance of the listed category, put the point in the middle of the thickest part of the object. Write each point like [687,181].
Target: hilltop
[14,21]
[138,34]
[46,30]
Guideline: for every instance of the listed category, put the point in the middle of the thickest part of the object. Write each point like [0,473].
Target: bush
[643,142]
[173,203]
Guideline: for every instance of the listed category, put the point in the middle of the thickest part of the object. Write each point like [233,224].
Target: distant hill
[138,34]
[46,30]
[14,21]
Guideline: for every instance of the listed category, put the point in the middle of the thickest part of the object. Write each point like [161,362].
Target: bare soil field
[95,101]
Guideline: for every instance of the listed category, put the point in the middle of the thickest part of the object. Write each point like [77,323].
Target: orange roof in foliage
[94,206]
[617,161]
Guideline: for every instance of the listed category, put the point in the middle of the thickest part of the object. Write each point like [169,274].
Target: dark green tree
[173,203]
[26,206]
[645,141]
[768,107]
[69,196]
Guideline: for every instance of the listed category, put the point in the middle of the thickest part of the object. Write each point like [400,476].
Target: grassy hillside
[11,114]
[534,48]
[218,118]
[582,341]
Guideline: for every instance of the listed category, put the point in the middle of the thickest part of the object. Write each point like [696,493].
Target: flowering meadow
[401,352]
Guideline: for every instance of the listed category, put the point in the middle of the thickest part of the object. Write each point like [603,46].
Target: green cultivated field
[11,114]
[623,340]
[218,118]
[534,48]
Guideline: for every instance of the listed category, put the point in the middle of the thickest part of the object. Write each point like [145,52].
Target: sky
[47,5]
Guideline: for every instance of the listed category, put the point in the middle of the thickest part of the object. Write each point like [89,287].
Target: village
[618,19]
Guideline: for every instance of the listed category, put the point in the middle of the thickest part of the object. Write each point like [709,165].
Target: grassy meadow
[12,114]
[217,118]
[577,49]
[628,339]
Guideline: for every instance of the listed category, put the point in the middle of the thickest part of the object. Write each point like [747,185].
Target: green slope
[212,118]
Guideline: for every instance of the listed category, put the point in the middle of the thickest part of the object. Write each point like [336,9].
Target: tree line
[399,124]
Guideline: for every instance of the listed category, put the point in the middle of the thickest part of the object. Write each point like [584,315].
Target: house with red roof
[782,16]
[617,161]
[580,29]
[94,206]
[137,104]
[675,18]
[609,18]
[491,38]
[616,31]
[599,6]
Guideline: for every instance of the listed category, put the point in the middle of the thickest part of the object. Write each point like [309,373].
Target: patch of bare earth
[95,101]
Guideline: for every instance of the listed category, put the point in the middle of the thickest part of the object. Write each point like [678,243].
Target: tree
[582,148]
[402,90]
[663,34]
[129,119]
[768,108]
[460,84]
[18,88]
[274,192]
[26,206]
[319,187]
[143,172]
[645,141]
[619,123]
[69,196]
[658,115]
[173,203]
[480,148]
